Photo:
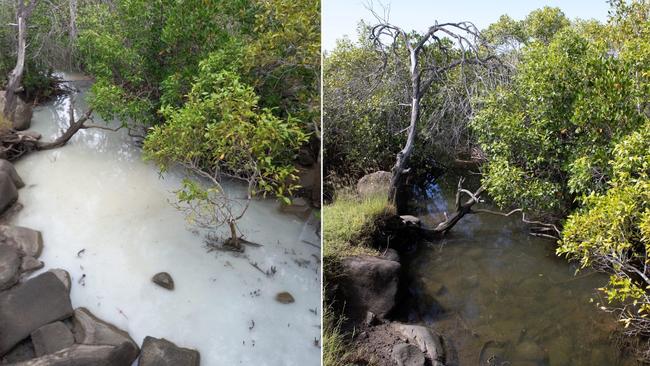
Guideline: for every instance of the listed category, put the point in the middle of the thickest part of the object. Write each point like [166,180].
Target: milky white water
[96,194]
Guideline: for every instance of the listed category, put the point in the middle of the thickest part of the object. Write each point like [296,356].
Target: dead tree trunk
[72,30]
[461,209]
[430,59]
[23,11]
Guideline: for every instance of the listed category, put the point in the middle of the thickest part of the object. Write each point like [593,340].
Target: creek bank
[40,326]
[368,289]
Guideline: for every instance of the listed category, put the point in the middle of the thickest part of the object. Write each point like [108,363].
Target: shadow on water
[501,296]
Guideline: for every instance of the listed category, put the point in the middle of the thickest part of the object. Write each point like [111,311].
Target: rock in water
[284,298]
[163,279]
[405,354]
[85,355]
[51,338]
[10,261]
[369,284]
[64,277]
[161,352]
[88,329]
[7,167]
[8,192]
[27,240]
[30,305]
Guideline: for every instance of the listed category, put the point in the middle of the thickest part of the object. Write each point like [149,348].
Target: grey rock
[7,167]
[374,183]
[391,255]
[161,352]
[63,276]
[410,221]
[86,355]
[51,338]
[30,305]
[8,192]
[163,279]
[32,134]
[371,319]
[405,354]
[27,240]
[284,298]
[88,329]
[23,351]
[10,260]
[429,342]
[369,284]
[22,118]
[30,264]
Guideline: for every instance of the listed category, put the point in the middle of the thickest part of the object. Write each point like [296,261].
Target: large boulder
[8,192]
[51,338]
[7,167]
[23,351]
[27,240]
[88,329]
[24,308]
[10,261]
[369,284]
[429,342]
[22,118]
[374,183]
[161,352]
[85,355]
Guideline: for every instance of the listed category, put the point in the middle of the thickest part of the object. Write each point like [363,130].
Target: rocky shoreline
[370,287]
[38,324]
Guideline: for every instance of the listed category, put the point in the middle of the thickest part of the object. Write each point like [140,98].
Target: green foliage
[222,128]
[612,231]
[334,342]
[284,58]
[550,135]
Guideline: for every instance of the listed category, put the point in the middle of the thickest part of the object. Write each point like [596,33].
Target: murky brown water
[502,297]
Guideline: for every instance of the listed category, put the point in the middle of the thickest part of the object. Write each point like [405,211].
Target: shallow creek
[502,297]
[96,195]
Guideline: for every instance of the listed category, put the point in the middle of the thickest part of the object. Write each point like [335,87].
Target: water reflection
[502,297]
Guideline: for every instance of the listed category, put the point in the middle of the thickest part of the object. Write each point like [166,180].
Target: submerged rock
[161,352]
[374,183]
[369,284]
[163,279]
[51,338]
[10,261]
[405,354]
[284,298]
[30,305]
[8,192]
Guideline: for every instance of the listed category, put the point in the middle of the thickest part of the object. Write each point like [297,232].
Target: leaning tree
[448,53]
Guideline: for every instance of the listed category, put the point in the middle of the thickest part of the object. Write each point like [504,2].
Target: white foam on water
[96,194]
